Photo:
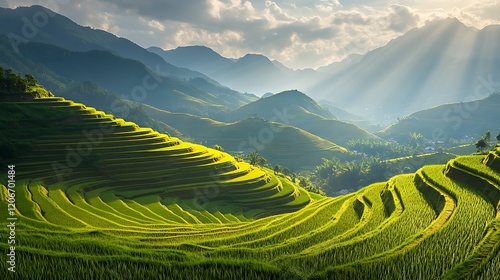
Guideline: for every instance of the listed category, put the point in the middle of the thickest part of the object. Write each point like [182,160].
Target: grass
[158,207]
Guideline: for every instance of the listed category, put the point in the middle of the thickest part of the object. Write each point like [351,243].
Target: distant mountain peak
[267,94]
[198,48]
[196,51]
[449,22]
[258,55]
[291,100]
[293,92]
[255,57]
[195,47]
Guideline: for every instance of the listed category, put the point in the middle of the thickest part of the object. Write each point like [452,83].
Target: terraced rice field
[101,198]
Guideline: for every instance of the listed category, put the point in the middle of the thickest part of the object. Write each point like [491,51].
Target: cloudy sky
[300,34]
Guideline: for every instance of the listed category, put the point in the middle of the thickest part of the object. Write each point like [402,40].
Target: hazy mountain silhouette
[253,73]
[198,58]
[63,32]
[444,61]
[297,109]
[339,66]
[456,120]
[123,76]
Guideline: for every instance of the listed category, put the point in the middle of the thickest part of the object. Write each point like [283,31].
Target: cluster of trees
[218,148]
[485,141]
[280,169]
[254,158]
[13,83]
[333,175]
[368,165]
[385,149]
[305,182]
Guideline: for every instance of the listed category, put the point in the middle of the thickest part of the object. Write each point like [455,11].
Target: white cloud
[482,13]
[156,25]
[105,22]
[401,18]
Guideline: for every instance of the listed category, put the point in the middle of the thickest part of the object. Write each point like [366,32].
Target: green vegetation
[297,109]
[450,121]
[371,161]
[485,142]
[16,87]
[334,176]
[133,78]
[303,150]
[95,96]
[255,158]
[98,197]
[380,148]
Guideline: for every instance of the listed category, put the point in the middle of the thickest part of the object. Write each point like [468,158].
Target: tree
[12,83]
[481,144]
[498,138]
[333,175]
[303,182]
[415,139]
[487,137]
[286,171]
[30,80]
[255,158]
[277,169]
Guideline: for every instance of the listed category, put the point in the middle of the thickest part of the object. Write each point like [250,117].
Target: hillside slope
[253,73]
[98,197]
[125,76]
[199,58]
[280,144]
[82,141]
[457,120]
[109,58]
[297,109]
[65,33]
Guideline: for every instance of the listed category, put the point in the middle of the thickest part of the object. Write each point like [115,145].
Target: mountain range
[297,109]
[254,73]
[116,64]
[196,83]
[65,33]
[444,61]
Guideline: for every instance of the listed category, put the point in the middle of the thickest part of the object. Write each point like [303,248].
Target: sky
[300,34]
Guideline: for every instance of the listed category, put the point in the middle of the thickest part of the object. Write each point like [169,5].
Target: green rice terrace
[101,198]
